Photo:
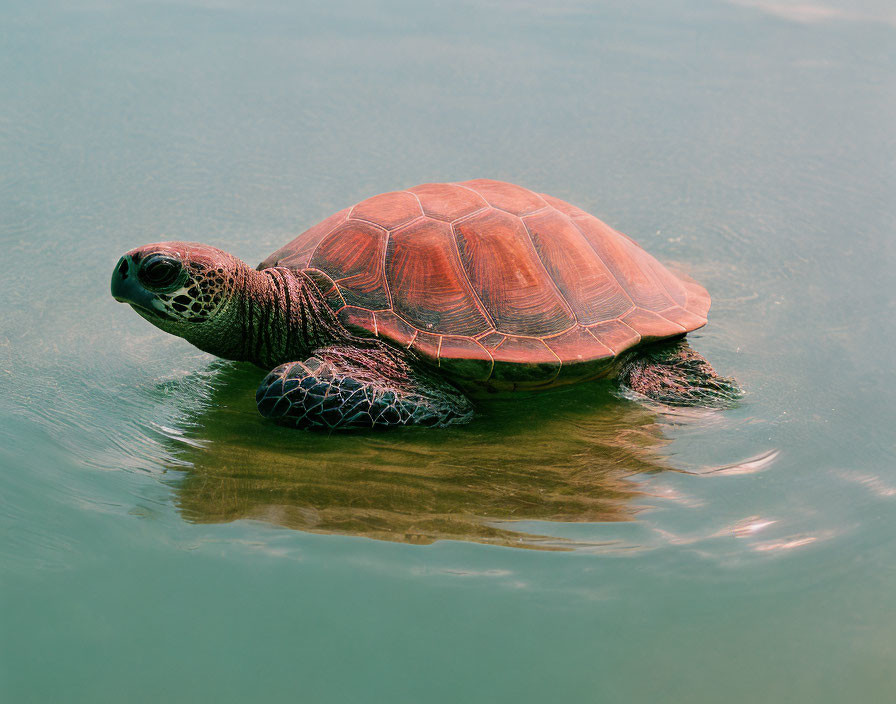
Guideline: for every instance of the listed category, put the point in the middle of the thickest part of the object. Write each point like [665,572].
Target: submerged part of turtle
[394,311]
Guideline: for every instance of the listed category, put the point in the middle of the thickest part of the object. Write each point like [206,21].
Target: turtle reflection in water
[399,309]
[566,455]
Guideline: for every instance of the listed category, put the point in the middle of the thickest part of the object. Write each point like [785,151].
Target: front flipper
[676,375]
[343,388]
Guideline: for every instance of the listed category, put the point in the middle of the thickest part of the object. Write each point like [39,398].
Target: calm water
[160,542]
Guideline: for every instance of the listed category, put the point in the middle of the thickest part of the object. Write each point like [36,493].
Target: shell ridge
[493,182]
[649,270]
[534,337]
[385,277]
[662,281]
[613,353]
[419,202]
[476,299]
[545,269]
[428,287]
[378,225]
[672,322]
[553,334]
[327,236]
[469,216]
[640,337]
[601,260]
[508,275]
[471,190]
[321,240]
[487,206]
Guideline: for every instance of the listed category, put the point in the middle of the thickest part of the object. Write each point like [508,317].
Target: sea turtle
[395,310]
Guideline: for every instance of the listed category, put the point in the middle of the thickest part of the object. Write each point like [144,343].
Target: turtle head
[181,287]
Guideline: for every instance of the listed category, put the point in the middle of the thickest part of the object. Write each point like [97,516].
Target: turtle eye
[159,271]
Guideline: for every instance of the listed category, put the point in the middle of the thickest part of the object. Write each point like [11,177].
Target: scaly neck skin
[276,316]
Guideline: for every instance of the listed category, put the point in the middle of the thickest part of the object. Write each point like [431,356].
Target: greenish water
[160,542]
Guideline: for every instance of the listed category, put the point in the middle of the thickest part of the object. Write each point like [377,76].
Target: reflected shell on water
[555,456]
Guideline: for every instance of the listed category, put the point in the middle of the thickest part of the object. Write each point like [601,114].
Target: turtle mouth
[148,313]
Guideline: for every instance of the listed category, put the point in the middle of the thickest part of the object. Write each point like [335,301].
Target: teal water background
[160,542]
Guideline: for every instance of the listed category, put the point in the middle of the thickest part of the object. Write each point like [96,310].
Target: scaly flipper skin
[676,375]
[345,388]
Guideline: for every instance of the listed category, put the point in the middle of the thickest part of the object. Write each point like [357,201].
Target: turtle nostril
[123,268]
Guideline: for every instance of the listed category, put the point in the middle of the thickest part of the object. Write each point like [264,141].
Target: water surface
[160,541]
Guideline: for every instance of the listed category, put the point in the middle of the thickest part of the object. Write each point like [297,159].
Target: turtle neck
[282,318]
[275,316]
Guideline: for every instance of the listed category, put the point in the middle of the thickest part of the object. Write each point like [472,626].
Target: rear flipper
[675,375]
[345,388]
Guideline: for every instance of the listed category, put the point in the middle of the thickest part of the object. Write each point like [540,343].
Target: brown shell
[494,283]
